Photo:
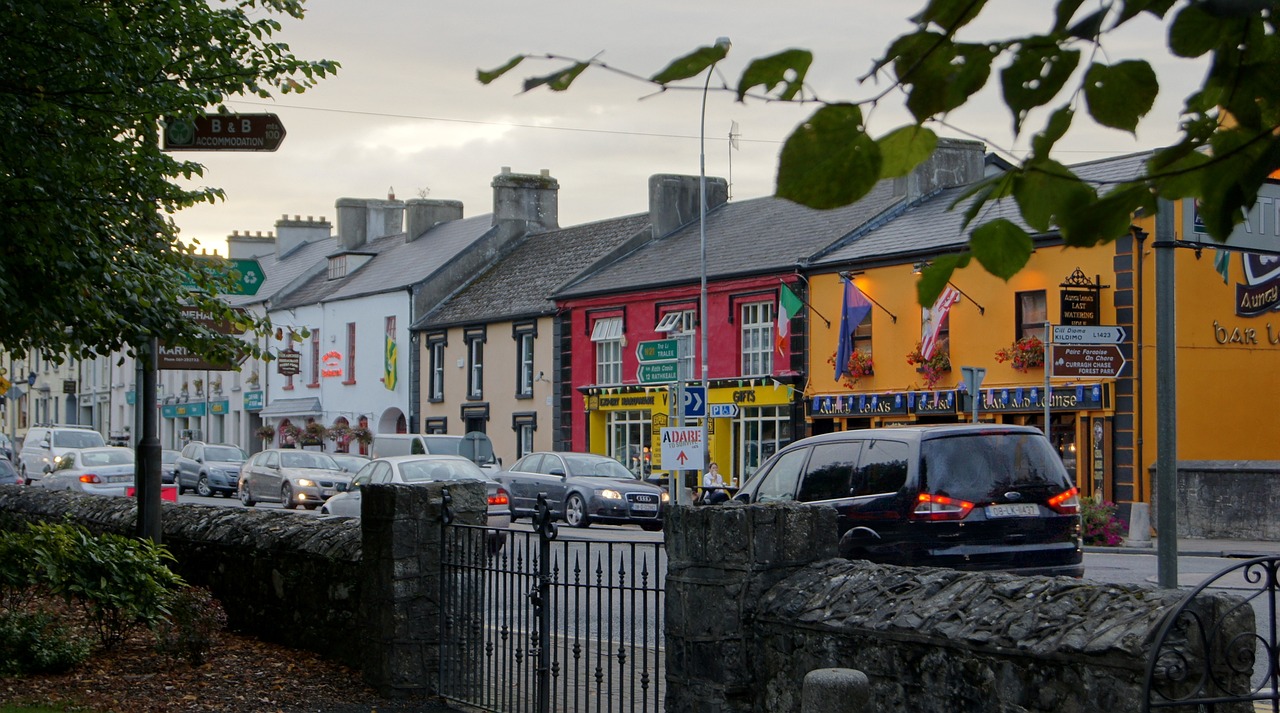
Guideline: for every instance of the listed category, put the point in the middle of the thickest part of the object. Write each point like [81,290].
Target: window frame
[1023,328]
[607,333]
[756,359]
[351,354]
[436,344]
[475,338]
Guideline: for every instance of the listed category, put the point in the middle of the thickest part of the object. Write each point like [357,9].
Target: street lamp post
[702,247]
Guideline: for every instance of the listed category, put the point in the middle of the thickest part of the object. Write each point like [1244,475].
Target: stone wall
[755,601]
[1226,499]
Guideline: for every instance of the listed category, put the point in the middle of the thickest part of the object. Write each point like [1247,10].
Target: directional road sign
[1071,334]
[723,410]
[662,372]
[246,274]
[682,448]
[1100,361]
[656,350]
[225,132]
[695,402]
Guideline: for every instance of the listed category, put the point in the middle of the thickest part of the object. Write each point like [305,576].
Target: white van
[45,443]
[475,446]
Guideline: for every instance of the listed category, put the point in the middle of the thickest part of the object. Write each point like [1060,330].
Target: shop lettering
[745,396]
[1239,335]
[1067,400]
[634,400]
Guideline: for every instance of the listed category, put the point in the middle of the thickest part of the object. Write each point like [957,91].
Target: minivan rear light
[498,498]
[1066,503]
[940,507]
[90,478]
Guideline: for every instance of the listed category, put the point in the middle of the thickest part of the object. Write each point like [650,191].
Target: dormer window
[337,267]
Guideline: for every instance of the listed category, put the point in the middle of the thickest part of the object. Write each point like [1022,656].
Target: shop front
[1081,418]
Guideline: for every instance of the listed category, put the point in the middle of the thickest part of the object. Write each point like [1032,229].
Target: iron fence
[533,622]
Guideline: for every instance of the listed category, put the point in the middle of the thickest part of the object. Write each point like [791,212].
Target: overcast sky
[405,111]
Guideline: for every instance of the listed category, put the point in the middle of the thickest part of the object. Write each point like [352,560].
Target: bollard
[835,690]
[1139,526]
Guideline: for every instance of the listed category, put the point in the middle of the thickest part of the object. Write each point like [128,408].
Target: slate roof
[931,226]
[520,284]
[756,236]
[396,265]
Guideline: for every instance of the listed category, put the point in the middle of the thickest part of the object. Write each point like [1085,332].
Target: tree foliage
[90,260]
[1230,127]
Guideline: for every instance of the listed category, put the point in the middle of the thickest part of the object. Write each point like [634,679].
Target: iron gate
[531,622]
[1200,661]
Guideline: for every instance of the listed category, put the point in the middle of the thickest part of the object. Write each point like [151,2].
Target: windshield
[980,468]
[474,446]
[226,454]
[597,466]
[78,439]
[428,470]
[89,459]
[303,459]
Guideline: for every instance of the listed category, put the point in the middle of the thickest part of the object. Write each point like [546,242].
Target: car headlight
[610,495]
[666,497]
[306,483]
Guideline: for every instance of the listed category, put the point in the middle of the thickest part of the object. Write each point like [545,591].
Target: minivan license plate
[1013,510]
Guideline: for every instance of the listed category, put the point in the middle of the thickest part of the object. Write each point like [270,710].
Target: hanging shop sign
[289,362]
[1080,303]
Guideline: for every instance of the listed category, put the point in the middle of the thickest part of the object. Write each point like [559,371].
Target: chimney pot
[546,173]
[505,169]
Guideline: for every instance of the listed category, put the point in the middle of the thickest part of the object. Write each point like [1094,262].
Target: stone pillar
[720,561]
[400,581]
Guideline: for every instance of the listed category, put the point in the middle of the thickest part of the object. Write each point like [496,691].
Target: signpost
[1086,361]
[225,132]
[657,350]
[723,410]
[246,273]
[658,373]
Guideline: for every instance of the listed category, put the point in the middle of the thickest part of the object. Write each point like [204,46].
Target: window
[629,434]
[351,353]
[830,472]
[315,358]
[524,334]
[686,321]
[862,335]
[607,335]
[761,431]
[780,482]
[524,424]
[757,339]
[337,267]
[435,378]
[475,363]
[1032,313]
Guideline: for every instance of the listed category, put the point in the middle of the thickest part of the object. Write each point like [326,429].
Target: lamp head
[919,267]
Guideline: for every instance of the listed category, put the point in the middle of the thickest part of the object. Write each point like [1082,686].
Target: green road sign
[246,274]
[658,373]
[656,350]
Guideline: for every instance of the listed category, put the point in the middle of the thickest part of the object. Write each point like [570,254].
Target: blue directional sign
[724,410]
[695,402]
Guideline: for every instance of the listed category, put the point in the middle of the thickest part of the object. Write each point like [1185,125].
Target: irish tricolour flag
[788,306]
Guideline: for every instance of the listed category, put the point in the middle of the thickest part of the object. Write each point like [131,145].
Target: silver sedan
[418,470]
[107,470]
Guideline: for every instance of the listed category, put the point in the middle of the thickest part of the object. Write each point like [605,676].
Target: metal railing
[1220,655]
[532,622]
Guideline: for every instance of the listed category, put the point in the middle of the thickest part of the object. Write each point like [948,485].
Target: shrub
[39,642]
[191,629]
[1100,524]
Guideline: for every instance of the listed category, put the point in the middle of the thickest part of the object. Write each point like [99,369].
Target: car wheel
[286,496]
[575,511]
[651,527]
[245,496]
[202,487]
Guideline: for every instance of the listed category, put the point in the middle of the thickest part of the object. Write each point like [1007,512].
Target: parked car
[45,443]
[209,468]
[583,488]
[8,473]
[412,470]
[98,471]
[475,446]
[350,462]
[6,448]
[291,477]
[168,465]
[974,497]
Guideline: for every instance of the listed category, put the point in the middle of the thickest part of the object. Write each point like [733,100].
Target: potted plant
[199,384]
[362,435]
[313,434]
[252,379]
[267,433]
[859,365]
[1024,355]
[931,369]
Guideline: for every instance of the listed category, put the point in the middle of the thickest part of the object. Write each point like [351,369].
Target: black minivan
[974,497]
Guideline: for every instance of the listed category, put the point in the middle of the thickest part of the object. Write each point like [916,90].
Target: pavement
[1198,547]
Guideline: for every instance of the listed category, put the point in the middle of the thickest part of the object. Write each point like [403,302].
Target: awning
[292,407]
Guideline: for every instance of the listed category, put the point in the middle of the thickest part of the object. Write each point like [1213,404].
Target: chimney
[292,232]
[673,200]
[421,214]
[524,203]
[363,219]
[955,162]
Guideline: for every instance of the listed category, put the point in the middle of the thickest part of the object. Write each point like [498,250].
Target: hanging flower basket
[363,436]
[289,434]
[267,433]
[314,433]
[339,434]
[1024,355]
[859,365]
[932,369]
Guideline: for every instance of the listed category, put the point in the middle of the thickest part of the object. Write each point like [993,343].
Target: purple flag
[856,307]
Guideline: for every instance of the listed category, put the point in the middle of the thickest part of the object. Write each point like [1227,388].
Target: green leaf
[1176,172]
[950,15]
[934,278]
[1102,220]
[1035,76]
[556,81]
[692,64]
[905,148]
[1046,190]
[1063,12]
[829,161]
[941,75]
[983,192]
[487,77]
[1133,7]
[1001,247]
[1057,126]
[1194,32]
[1090,27]
[788,68]
[1119,95]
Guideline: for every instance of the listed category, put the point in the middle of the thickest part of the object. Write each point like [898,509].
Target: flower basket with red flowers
[1024,355]
[859,365]
[932,369]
